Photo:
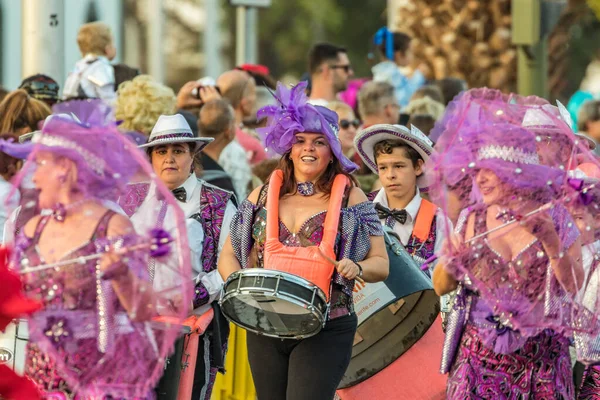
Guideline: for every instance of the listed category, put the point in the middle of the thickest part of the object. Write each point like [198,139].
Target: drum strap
[424,220]
[330,228]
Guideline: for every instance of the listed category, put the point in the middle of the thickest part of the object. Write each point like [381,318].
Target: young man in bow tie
[397,155]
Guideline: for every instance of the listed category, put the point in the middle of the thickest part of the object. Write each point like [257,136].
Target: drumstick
[504,225]
[336,263]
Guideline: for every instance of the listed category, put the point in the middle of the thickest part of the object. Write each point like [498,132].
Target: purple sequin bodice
[81,326]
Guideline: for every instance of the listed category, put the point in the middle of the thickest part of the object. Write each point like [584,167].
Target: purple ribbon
[501,329]
[584,196]
[161,243]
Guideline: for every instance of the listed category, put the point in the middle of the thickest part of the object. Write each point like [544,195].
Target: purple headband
[293,114]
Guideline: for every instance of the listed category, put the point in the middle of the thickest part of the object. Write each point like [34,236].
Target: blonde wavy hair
[141,101]
[93,38]
[426,105]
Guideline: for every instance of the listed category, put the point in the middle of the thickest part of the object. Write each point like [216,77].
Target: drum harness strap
[422,228]
[331,225]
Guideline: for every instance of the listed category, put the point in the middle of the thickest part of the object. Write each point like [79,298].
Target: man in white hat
[171,149]
[397,155]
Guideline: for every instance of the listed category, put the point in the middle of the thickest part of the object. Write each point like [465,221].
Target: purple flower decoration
[285,118]
[57,330]
[505,337]
[585,197]
[501,329]
[161,243]
[59,212]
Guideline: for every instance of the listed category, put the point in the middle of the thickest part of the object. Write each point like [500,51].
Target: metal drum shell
[398,324]
[264,283]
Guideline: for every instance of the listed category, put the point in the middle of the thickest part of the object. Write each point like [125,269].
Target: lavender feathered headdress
[293,114]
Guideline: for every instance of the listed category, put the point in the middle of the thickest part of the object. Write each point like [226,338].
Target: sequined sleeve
[241,231]
[358,223]
[567,230]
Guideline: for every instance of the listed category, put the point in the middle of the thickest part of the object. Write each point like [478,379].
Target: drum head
[273,307]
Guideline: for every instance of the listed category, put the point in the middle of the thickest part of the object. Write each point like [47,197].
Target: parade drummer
[171,149]
[397,155]
[306,136]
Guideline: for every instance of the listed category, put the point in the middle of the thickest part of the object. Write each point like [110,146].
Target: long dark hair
[9,165]
[324,183]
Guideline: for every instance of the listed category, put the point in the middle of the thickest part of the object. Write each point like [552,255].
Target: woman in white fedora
[171,148]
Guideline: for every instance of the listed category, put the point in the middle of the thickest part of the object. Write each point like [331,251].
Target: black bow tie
[180,194]
[385,213]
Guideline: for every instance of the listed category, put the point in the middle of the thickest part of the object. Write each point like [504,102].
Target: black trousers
[307,369]
[211,355]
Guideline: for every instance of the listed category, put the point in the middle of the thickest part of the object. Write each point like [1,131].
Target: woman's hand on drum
[347,268]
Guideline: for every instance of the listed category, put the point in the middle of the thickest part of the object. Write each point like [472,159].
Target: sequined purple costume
[357,224]
[590,384]
[485,358]
[75,300]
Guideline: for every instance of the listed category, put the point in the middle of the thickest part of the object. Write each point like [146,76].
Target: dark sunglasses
[347,68]
[345,124]
[41,90]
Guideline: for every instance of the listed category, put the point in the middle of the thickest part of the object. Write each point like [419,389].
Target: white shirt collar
[592,248]
[412,208]
[189,185]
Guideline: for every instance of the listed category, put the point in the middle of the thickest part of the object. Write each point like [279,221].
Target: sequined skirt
[590,384]
[41,369]
[540,369]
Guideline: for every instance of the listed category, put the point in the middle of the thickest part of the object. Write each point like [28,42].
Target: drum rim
[272,273]
[321,317]
[294,300]
[261,333]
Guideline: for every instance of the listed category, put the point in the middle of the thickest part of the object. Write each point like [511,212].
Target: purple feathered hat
[293,114]
[100,151]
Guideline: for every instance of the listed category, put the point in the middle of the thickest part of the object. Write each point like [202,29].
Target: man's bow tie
[385,213]
[180,194]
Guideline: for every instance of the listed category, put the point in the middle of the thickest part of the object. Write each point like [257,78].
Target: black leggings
[307,369]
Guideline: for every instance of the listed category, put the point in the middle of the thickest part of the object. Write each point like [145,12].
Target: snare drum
[274,303]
